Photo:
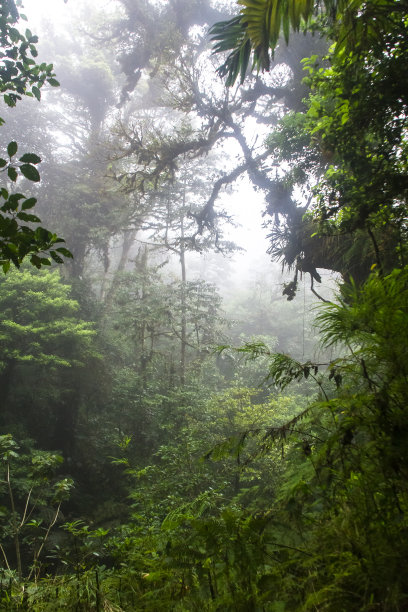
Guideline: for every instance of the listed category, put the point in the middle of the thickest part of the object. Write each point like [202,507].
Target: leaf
[36,261]
[27,217]
[56,257]
[65,252]
[14,199]
[53,82]
[2,163]
[36,92]
[39,261]
[12,173]
[12,148]
[29,203]
[9,100]
[30,158]
[30,172]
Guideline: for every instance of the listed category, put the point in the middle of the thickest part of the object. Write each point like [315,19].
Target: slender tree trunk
[15,526]
[183,299]
[144,357]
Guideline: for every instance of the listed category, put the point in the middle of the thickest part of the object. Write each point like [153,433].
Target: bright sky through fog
[54,10]
[244,203]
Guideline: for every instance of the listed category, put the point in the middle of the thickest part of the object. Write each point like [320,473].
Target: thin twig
[5,557]
[26,507]
[37,554]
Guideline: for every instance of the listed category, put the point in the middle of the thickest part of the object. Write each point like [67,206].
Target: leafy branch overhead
[18,240]
[20,75]
[253,34]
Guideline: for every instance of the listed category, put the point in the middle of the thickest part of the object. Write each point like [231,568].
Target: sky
[55,10]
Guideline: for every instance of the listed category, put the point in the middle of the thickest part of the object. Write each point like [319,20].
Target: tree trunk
[183,300]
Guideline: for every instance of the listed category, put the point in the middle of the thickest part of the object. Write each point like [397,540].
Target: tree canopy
[347,148]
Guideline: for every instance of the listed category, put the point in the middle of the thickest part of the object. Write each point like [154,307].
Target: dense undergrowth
[270,504]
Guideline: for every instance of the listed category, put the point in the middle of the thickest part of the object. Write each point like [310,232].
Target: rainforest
[204,305]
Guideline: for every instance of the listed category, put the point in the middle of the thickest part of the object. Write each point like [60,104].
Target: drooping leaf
[64,252]
[56,257]
[36,92]
[27,217]
[30,172]
[12,173]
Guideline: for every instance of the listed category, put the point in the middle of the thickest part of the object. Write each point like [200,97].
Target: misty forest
[204,305]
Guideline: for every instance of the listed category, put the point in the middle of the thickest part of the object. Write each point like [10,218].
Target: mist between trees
[203,311]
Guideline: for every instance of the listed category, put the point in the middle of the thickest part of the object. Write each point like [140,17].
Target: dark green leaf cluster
[254,33]
[346,151]
[19,73]
[19,240]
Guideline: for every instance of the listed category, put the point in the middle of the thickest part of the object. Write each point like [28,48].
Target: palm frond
[256,29]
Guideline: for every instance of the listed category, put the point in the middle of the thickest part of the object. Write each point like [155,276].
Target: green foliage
[39,323]
[21,75]
[332,532]
[255,31]
[32,497]
[240,499]
[44,348]
[192,532]
[347,152]
[163,328]
[356,118]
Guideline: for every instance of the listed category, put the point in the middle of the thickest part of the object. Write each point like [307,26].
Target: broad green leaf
[36,92]
[9,100]
[64,252]
[36,261]
[30,158]
[30,172]
[12,148]
[12,173]
[27,217]
[56,257]
[42,235]
[29,203]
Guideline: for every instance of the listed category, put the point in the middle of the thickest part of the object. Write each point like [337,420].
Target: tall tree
[44,345]
[347,150]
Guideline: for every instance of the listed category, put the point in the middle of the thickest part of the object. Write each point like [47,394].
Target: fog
[87,52]
[203,306]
